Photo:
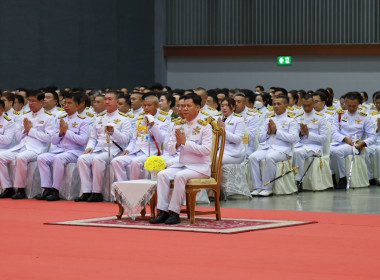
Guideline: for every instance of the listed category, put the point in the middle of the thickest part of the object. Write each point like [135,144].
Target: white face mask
[258,105]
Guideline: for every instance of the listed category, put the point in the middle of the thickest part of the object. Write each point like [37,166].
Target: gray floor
[360,200]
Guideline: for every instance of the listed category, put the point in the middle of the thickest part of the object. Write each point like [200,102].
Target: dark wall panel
[87,43]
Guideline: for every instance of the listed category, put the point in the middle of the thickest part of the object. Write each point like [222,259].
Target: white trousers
[299,156]
[59,162]
[337,160]
[271,157]
[97,163]
[136,163]
[227,159]
[180,175]
[375,150]
[22,157]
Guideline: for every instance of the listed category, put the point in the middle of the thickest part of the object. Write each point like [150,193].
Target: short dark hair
[321,95]
[40,96]
[231,102]
[2,105]
[294,95]
[126,98]
[19,98]
[307,96]
[375,96]
[284,91]
[80,97]
[55,95]
[354,95]
[195,97]
[283,97]
[365,95]
[260,87]
[169,98]
[9,96]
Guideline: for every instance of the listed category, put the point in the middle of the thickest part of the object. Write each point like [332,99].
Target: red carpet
[339,246]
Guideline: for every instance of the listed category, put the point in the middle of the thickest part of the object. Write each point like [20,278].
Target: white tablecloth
[134,195]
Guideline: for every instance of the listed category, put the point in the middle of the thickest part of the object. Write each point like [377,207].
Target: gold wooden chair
[194,186]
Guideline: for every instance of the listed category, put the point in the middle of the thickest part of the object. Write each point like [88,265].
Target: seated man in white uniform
[204,107]
[71,135]
[34,136]
[7,129]
[279,131]
[51,103]
[234,126]
[313,132]
[140,146]
[193,139]
[95,158]
[346,126]
[319,99]
[8,99]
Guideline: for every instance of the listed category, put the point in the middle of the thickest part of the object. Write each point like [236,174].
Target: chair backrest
[218,140]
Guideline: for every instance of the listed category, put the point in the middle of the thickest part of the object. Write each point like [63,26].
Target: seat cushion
[201,181]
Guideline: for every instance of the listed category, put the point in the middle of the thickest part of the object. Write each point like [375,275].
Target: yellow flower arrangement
[155,163]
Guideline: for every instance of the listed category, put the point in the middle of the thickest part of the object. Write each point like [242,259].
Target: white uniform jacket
[235,130]
[7,132]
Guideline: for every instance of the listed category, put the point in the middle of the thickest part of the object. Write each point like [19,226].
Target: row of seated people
[277,132]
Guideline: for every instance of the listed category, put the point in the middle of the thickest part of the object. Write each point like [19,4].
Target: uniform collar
[114,113]
[138,111]
[72,116]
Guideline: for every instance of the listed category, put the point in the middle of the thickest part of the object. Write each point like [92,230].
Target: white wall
[342,73]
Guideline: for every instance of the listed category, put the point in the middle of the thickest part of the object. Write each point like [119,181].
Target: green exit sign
[284,60]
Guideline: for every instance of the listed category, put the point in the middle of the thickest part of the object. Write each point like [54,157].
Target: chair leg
[143,212]
[121,211]
[192,200]
[217,206]
[187,205]
[152,205]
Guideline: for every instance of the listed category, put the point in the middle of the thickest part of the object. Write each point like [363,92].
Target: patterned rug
[204,224]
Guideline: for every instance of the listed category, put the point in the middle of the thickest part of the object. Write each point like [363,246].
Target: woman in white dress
[234,151]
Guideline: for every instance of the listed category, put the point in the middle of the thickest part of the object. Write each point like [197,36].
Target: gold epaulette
[161,118]
[237,115]
[47,112]
[270,108]
[290,108]
[374,113]
[87,108]
[319,113]
[363,113]
[122,114]
[163,112]
[176,119]
[60,109]
[140,117]
[251,114]
[180,122]
[218,114]
[25,112]
[210,108]
[63,116]
[16,112]
[329,112]
[81,116]
[340,111]
[202,122]
[331,108]
[204,113]
[298,107]
[101,114]
[141,113]
[300,114]
[290,114]
[131,116]
[6,117]
[270,115]
[89,114]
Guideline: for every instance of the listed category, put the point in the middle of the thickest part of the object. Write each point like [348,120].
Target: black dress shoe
[173,219]
[7,193]
[334,181]
[53,195]
[342,183]
[161,218]
[83,197]
[373,182]
[43,195]
[95,197]
[20,194]
[299,186]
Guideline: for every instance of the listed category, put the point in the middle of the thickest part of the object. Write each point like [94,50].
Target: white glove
[149,118]
[356,151]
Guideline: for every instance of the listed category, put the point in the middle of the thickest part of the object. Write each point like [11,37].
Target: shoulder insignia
[270,115]
[16,112]
[298,107]
[6,117]
[319,113]
[250,109]
[64,115]
[87,108]
[122,114]
[210,108]
[331,108]
[101,114]
[374,113]
[89,114]
[300,114]
[60,109]
[238,115]
[204,113]
[131,116]
[176,119]
[340,111]
[258,111]
[161,118]
[140,117]
[335,99]
[270,108]
[163,112]
[290,108]
[141,113]
[291,114]
[329,112]
[202,122]
[81,116]
[251,114]
[25,112]
[363,113]
[47,112]
[178,122]
[218,114]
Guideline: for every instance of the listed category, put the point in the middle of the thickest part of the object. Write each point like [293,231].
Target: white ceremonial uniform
[96,161]
[30,146]
[375,147]
[134,114]
[234,151]
[311,144]
[292,111]
[91,118]
[346,124]
[328,114]
[211,111]
[69,147]
[253,120]
[139,147]
[25,109]
[7,132]
[57,112]
[194,162]
[14,115]
[277,147]
[170,159]
[264,111]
